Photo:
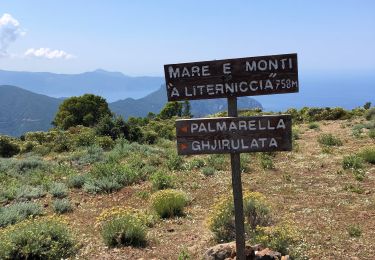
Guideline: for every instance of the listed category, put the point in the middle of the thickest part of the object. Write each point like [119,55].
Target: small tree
[367,105]
[84,110]
[171,109]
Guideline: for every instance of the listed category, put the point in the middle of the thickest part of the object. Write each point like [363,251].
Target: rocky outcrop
[227,251]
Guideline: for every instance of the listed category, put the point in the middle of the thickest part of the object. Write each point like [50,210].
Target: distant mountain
[110,85]
[24,111]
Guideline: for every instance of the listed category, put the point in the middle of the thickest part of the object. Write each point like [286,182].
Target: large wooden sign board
[251,76]
[232,78]
[234,134]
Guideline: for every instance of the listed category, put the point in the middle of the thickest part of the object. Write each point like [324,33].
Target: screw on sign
[232,78]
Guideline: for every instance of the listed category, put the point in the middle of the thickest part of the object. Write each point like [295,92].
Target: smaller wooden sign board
[263,75]
[234,134]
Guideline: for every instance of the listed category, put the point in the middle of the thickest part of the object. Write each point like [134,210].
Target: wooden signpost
[230,79]
[234,134]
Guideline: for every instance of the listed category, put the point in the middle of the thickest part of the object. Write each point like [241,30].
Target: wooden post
[237,190]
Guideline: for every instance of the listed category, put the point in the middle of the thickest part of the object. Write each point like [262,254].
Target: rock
[267,254]
[285,257]
[227,251]
[170,229]
[45,205]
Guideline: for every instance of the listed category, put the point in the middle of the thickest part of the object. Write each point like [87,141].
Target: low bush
[368,154]
[28,192]
[30,164]
[208,171]
[354,231]
[266,161]
[8,148]
[18,212]
[196,163]
[43,238]
[217,161]
[371,133]
[313,125]
[161,180]
[257,212]
[94,154]
[76,181]
[61,206]
[109,177]
[174,162]
[329,140]
[149,137]
[169,203]
[370,114]
[352,162]
[102,185]
[105,142]
[59,190]
[125,230]
[280,237]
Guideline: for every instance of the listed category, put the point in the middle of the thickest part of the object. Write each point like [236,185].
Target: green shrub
[30,164]
[28,147]
[184,255]
[76,181]
[370,114]
[217,161]
[313,125]
[352,162]
[368,154]
[295,133]
[280,237]
[59,190]
[169,203]
[110,177]
[160,180]
[18,212]
[174,162]
[329,140]
[62,142]
[257,212]
[102,185]
[8,148]
[105,142]
[125,230]
[28,192]
[82,136]
[61,206]
[359,174]
[354,188]
[354,231]
[196,163]
[208,171]
[44,238]
[94,154]
[149,137]
[266,161]
[371,133]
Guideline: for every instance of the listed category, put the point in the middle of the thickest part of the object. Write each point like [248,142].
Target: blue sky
[138,37]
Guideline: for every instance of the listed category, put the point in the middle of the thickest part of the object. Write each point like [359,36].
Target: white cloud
[48,53]
[10,30]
